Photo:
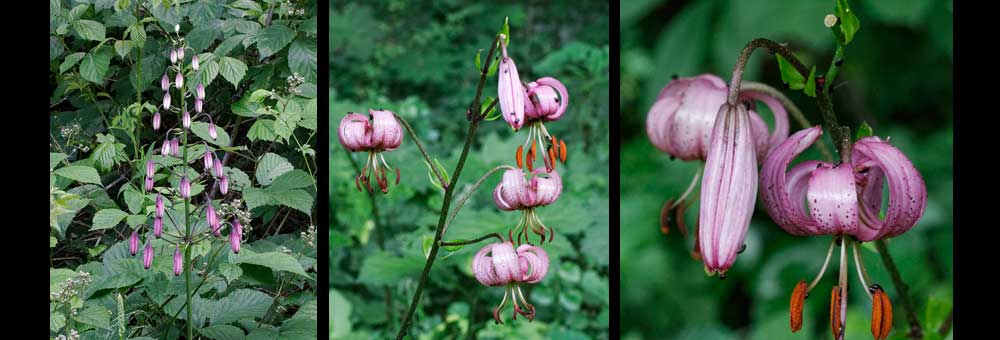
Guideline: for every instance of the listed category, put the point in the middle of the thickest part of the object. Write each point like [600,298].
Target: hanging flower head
[376,133]
[500,264]
[516,192]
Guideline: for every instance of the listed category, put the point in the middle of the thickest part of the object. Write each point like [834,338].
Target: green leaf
[277,261]
[135,220]
[810,86]
[56,321]
[302,58]
[89,29]
[256,197]
[505,30]
[137,33]
[208,71]
[294,179]
[107,218]
[493,114]
[270,167]
[108,153]
[55,158]
[296,199]
[479,66]
[233,70]
[790,75]
[202,36]
[230,271]
[864,131]
[95,65]
[262,129]
[222,332]
[340,314]
[382,268]
[79,173]
[229,44]
[273,38]
[97,316]
[200,129]
[849,23]
[70,61]
[123,47]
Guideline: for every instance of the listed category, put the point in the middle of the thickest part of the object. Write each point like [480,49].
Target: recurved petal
[907,191]
[728,188]
[386,132]
[547,189]
[482,267]
[511,93]
[353,132]
[658,125]
[833,200]
[783,194]
[781,125]
[552,98]
[513,190]
[538,261]
[505,263]
[686,131]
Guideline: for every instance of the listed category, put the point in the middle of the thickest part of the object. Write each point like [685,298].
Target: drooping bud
[179,80]
[180,53]
[178,262]
[194,62]
[185,187]
[156,121]
[133,243]
[149,184]
[166,100]
[159,206]
[173,56]
[218,168]
[165,148]
[186,120]
[510,91]
[212,218]
[165,82]
[236,236]
[158,227]
[175,147]
[199,91]
[207,158]
[198,105]
[211,131]
[150,168]
[147,255]
[224,184]
[177,28]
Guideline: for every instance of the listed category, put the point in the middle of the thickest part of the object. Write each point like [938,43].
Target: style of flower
[845,200]
[516,192]
[376,133]
[500,264]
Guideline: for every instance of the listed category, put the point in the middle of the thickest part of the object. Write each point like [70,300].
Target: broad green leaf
[56,321]
[340,314]
[97,316]
[273,38]
[107,218]
[222,332]
[790,75]
[256,197]
[294,179]
[202,36]
[200,129]
[277,261]
[230,271]
[70,61]
[135,220]
[262,129]
[382,268]
[208,71]
[55,158]
[95,65]
[302,58]
[138,34]
[270,167]
[296,199]
[123,47]
[229,44]
[89,29]
[233,70]
[79,173]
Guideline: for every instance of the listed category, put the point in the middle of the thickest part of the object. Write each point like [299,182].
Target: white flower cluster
[73,335]
[309,236]
[70,288]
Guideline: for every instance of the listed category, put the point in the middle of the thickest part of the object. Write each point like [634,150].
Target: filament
[825,263]
[691,186]
[862,273]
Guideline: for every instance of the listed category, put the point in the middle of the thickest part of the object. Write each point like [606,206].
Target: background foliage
[417,59]
[898,75]
[100,53]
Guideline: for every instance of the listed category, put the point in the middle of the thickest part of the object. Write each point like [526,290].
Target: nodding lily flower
[510,92]
[133,243]
[207,158]
[516,192]
[545,101]
[175,147]
[178,262]
[236,236]
[845,200]
[149,184]
[166,100]
[147,255]
[186,120]
[681,121]
[165,82]
[179,80]
[158,227]
[198,105]
[150,168]
[185,187]
[199,92]
[173,56]
[194,62]
[376,133]
[156,121]
[212,132]
[159,206]
[217,168]
[500,264]
[180,53]
[212,218]
[224,184]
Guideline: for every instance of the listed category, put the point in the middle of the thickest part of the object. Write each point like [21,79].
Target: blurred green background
[898,75]
[416,58]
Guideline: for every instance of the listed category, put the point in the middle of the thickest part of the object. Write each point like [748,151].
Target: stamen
[825,263]
[690,188]
[531,308]
[665,216]
[397,176]
[357,182]
[498,309]
[862,273]
[562,150]
[836,324]
[799,295]
[520,150]
[881,313]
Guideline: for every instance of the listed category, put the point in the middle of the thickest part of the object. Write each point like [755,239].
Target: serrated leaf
[790,75]
[302,58]
[208,71]
[273,38]
[107,218]
[229,44]
[79,173]
[270,167]
[233,70]
[55,158]
[294,179]
[256,197]
[202,36]
[134,200]
[262,129]
[95,65]
[70,61]
[138,34]
[276,261]
[123,47]
[97,316]
[56,321]
[296,199]
[230,271]
[810,86]
[222,332]
[89,29]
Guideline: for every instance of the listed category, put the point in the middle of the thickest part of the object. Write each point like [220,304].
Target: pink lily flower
[500,264]
[545,101]
[376,133]
[516,192]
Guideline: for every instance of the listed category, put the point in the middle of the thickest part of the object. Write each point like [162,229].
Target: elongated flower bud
[224,184]
[194,62]
[185,187]
[211,131]
[175,147]
[173,56]
[186,120]
[165,82]
[211,218]
[510,91]
[728,189]
[158,227]
[198,105]
[178,262]
[180,53]
[156,121]
[147,255]
[177,28]
[166,100]
[179,80]
[199,92]
[208,158]
[150,168]
[149,184]
[236,236]
[159,206]
[218,168]
[165,148]
[133,243]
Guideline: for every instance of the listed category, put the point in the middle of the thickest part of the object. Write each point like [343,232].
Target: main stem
[187,224]
[904,291]
[475,116]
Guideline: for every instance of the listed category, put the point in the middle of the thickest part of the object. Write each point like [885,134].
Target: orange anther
[520,150]
[798,301]
[881,313]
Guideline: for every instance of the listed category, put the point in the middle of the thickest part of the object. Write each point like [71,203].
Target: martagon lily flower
[845,200]
[690,119]
[500,264]
[376,133]
[516,192]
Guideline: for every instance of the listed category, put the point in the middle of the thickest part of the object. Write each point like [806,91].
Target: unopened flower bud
[156,121]
[194,62]
[159,206]
[236,236]
[199,91]
[177,28]
[166,100]
[150,168]
[218,168]
[224,185]
[133,243]
[179,80]
[207,158]
[173,56]
[198,105]
[180,54]
[178,262]
[165,82]
[147,255]
[212,218]
[158,227]
[185,187]
[211,131]
[149,184]
[186,120]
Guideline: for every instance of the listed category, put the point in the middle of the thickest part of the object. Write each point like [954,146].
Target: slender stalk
[476,240]
[916,332]
[416,140]
[472,190]
[946,326]
[793,109]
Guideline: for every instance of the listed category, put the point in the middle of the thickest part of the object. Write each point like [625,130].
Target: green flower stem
[476,240]
[794,110]
[420,146]
[916,332]
[472,190]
